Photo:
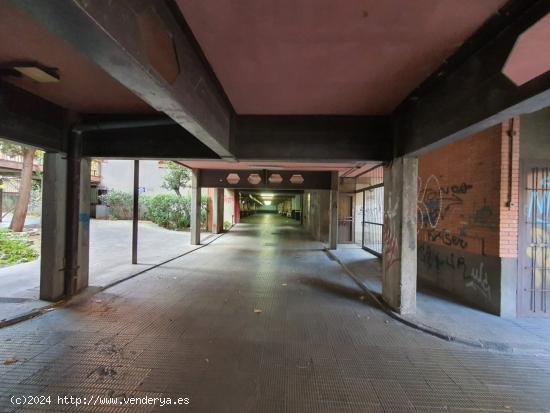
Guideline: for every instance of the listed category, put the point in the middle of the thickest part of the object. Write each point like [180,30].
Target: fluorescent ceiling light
[267,203]
[37,74]
[267,195]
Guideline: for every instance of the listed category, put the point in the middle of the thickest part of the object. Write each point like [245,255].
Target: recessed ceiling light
[38,74]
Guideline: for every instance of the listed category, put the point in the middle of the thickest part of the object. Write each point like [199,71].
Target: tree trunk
[20,213]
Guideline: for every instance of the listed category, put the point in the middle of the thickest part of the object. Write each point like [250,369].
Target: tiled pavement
[189,329]
[447,316]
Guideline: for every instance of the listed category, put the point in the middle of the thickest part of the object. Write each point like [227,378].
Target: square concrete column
[84,225]
[333,229]
[195,208]
[54,203]
[217,211]
[399,235]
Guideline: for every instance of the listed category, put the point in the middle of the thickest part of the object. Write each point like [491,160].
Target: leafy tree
[25,186]
[176,178]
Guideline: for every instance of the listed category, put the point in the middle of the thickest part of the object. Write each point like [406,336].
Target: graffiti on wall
[436,201]
[473,273]
[483,216]
[389,236]
[539,204]
[446,238]
[479,280]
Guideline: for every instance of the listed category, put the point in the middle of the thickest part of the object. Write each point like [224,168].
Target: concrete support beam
[217,210]
[195,208]
[83,260]
[399,237]
[333,229]
[53,265]
[119,36]
[312,138]
[135,213]
[53,227]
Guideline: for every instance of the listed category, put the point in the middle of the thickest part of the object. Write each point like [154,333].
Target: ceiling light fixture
[38,74]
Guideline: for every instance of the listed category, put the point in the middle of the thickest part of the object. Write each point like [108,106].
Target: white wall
[119,175]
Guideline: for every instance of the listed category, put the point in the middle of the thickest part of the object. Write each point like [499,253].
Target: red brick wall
[509,211]
[463,191]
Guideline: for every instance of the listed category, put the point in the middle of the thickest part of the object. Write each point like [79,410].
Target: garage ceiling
[327,56]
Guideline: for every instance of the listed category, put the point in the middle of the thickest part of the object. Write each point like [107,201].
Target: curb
[58,304]
[378,300]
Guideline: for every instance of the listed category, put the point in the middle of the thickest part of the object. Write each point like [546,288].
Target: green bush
[226,225]
[172,211]
[120,204]
[15,248]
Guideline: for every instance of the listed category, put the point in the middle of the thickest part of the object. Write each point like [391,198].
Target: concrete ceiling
[327,56]
[83,87]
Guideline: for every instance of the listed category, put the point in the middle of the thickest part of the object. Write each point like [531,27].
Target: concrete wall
[317,214]
[119,175]
[535,135]
[229,206]
[467,230]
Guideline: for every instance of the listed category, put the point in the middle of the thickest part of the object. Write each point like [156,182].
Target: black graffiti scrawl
[436,201]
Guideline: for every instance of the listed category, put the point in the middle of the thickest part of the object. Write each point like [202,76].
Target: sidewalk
[444,316]
[110,261]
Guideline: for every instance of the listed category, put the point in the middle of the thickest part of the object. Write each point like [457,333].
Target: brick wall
[509,196]
[467,216]
[463,194]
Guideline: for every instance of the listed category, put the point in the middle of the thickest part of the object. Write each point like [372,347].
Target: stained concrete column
[83,269]
[399,236]
[195,208]
[54,203]
[333,229]
[217,211]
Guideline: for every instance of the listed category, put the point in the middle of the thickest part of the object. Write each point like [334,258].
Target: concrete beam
[195,207]
[399,237]
[30,120]
[52,257]
[469,92]
[312,138]
[146,142]
[259,179]
[148,50]
[217,210]
[83,260]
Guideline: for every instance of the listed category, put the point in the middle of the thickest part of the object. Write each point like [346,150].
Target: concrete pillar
[84,226]
[195,208]
[399,236]
[52,265]
[333,232]
[217,211]
[135,213]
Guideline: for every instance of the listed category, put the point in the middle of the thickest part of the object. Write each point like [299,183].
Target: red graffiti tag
[390,244]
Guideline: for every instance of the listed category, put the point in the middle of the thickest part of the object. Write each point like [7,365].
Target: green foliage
[167,210]
[226,225]
[176,178]
[120,204]
[13,149]
[173,211]
[15,248]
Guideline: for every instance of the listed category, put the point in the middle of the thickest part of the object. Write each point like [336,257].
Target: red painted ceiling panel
[83,87]
[328,56]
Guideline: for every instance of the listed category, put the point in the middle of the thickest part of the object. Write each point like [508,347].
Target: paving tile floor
[443,313]
[190,329]
[110,261]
